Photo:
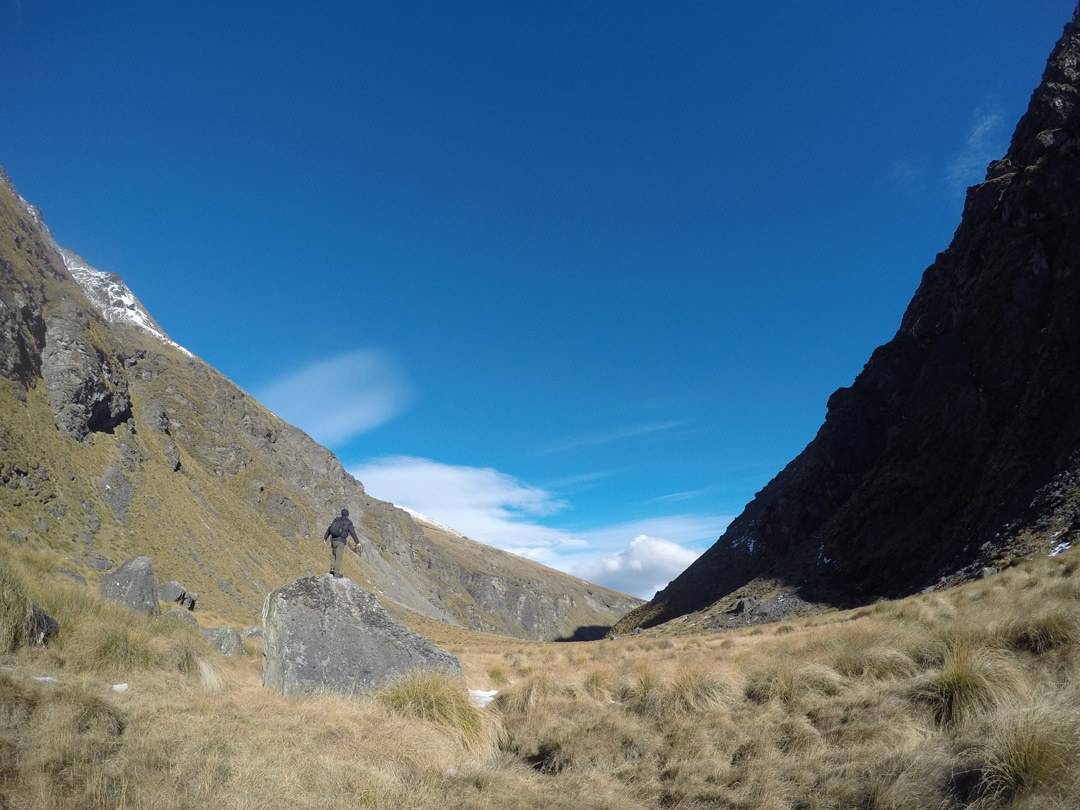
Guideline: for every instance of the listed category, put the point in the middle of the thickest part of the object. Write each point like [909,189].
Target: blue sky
[574,278]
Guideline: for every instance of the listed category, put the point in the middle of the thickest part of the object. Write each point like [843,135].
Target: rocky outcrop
[327,633]
[225,640]
[132,585]
[960,439]
[88,391]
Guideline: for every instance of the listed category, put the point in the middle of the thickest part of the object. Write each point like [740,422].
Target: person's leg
[335,566]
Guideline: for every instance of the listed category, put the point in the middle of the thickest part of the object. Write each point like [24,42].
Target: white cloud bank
[344,396]
[498,509]
[642,568]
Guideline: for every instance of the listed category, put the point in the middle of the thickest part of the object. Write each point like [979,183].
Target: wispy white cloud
[498,509]
[984,143]
[600,437]
[684,495]
[645,566]
[480,502]
[344,396]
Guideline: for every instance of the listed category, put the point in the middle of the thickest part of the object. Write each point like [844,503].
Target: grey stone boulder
[225,640]
[43,627]
[132,585]
[326,633]
[182,616]
[171,591]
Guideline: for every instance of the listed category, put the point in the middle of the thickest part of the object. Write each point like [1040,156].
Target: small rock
[226,640]
[180,615]
[45,679]
[252,632]
[43,627]
[171,591]
[132,585]
[100,563]
[228,587]
[119,687]
[987,572]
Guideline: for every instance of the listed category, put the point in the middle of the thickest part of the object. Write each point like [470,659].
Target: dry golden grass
[959,699]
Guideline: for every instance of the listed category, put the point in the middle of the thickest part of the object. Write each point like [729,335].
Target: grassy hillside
[963,698]
[218,491]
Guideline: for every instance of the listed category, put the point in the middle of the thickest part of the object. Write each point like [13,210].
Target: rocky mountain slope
[958,444]
[115,441]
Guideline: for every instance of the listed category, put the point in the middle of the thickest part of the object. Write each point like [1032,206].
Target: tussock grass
[938,701]
[1049,628]
[437,699]
[15,611]
[971,680]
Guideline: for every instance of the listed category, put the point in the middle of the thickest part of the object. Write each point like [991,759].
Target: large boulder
[132,585]
[327,633]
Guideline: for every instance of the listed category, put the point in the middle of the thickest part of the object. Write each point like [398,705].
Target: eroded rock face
[326,633]
[88,391]
[133,586]
[22,332]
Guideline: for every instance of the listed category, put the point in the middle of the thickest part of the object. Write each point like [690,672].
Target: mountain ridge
[115,441]
[958,444]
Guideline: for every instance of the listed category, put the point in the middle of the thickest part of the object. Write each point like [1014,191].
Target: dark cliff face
[960,437]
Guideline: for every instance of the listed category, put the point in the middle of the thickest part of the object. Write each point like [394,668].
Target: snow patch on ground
[1059,548]
[482,697]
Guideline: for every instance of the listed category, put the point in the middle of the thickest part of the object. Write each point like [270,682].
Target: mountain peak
[112,297]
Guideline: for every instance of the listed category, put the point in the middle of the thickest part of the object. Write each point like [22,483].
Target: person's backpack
[340,526]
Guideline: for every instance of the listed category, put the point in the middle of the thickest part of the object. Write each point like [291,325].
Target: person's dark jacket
[341,529]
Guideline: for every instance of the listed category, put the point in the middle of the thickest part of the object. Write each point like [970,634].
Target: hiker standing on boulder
[338,534]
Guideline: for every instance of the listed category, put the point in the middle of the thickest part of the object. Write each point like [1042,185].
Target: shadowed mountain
[957,445]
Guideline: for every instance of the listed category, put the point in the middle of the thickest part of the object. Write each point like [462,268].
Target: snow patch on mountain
[420,517]
[113,298]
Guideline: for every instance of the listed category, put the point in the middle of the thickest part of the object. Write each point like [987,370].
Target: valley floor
[963,698]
